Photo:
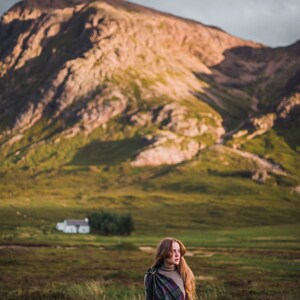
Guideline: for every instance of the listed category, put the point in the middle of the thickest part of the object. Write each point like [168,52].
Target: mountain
[107,82]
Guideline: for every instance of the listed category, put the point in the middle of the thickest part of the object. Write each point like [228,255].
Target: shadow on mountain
[234,82]
[243,84]
[33,79]
[239,174]
[107,152]
[290,132]
[288,128]
[9,35]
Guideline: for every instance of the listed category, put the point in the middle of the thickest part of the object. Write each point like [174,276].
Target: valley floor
[233,267]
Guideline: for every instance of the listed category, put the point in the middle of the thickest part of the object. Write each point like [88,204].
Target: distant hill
[108,82]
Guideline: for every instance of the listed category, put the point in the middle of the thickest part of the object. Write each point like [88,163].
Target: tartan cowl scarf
[161,287]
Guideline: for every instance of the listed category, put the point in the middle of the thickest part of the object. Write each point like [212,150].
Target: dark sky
[271,22]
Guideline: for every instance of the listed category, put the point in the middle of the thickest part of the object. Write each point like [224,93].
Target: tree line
[107,223]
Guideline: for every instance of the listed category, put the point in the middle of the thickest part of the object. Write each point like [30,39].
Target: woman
[169,277]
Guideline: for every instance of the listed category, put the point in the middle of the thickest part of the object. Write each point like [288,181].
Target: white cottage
[74,226]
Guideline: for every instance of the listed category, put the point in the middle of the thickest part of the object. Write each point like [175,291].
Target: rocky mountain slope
[115,71]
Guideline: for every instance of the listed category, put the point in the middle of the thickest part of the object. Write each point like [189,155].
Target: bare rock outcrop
[262,124]
[260,175]
[263,167]
[167,149]
[296,189]
[289,107]
[177,118]
[98,112]
[253,127]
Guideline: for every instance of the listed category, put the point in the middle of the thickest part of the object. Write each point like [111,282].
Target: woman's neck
[168,267]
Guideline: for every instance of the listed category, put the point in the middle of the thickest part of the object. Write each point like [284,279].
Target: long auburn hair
[163,251]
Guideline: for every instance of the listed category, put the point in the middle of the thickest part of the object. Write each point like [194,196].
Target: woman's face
[175,255]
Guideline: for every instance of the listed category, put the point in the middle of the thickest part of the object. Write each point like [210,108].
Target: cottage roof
[73,222]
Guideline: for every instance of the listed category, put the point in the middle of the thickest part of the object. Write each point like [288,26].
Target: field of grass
[103,271]
[243,236]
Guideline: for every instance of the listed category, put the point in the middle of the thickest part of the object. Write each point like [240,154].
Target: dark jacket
[161,287]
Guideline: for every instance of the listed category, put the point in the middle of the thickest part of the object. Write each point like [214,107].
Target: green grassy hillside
[244,235]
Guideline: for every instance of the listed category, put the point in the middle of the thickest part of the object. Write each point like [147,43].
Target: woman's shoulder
[152,271]
[149,277]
